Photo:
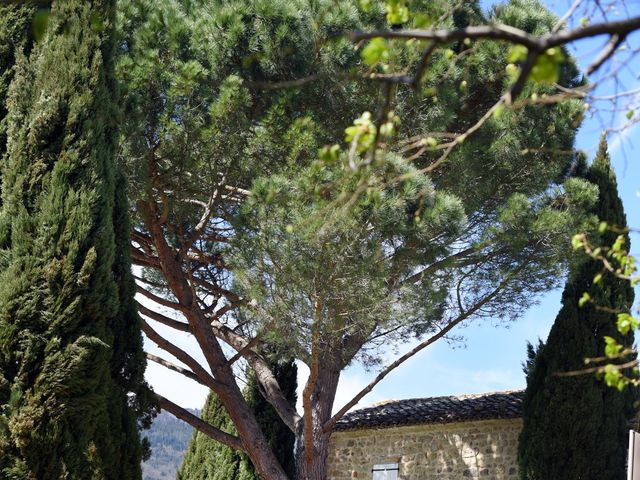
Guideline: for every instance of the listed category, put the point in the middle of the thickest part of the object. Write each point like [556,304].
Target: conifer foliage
[576,427]
[71,360]
[207,459]
[15,22]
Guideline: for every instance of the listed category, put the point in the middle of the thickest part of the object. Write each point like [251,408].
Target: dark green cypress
[280,438]
[576,427]
[70,345]
[207,459]
[15,38]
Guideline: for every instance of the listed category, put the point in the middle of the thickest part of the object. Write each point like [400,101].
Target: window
[385,471]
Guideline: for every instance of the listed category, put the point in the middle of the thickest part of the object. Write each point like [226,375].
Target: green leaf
[602,227]
[362,132]
[584,299]
[612,348]
[397,12]
[422,20]
[547,66]
[613,377]
[517,53]
[365,5]
[329,154]
[512,71]
[577,241]
[430,142]
[618,244]
[377,50]
[624,323]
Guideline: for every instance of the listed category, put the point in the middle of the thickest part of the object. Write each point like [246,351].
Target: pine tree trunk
[253,439]
[313,465]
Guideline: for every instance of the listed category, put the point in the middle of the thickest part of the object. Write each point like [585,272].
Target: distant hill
[169,438]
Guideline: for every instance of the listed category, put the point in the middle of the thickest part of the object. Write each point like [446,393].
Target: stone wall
[484,450]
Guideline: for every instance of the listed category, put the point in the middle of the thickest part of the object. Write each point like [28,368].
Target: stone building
[441,438]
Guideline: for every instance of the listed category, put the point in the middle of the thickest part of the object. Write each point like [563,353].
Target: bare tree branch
[158,317]
[505,32]
[264,374]
[566,16]
[140,258]
[176,368]
[159,300]
[206,216]
[328,426]
[198,424]
[609,49]
[181,355]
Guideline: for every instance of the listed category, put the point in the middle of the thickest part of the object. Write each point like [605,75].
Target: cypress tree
[71,358]
[15,27]
[207,459]
[576,427]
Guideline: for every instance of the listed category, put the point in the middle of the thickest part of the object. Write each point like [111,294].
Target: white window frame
[385,471]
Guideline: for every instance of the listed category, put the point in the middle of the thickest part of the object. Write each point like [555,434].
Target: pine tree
[576,427]
[71,359]
[207,459]
[488,218]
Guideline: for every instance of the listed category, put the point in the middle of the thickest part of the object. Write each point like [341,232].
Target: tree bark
[313,465]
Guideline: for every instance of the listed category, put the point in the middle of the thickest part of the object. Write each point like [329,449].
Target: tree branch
[181,355]
[609,49]
[307,393]
[159,300]
[328,426]
[206,216]
[198,424]
[176,368]
[436,265]
[158,317]
[507,33]
[264,374]
[140,258]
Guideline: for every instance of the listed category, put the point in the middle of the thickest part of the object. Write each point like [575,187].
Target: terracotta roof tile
[415,411]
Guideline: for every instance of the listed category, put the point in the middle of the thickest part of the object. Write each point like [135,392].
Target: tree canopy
[404,226]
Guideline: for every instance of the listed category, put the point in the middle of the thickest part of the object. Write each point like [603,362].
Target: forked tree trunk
[314,466]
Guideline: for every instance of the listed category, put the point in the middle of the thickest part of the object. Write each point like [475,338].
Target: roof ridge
[463,396]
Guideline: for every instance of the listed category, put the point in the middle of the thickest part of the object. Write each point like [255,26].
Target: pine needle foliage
[576,427]
[71,358]
[335,243]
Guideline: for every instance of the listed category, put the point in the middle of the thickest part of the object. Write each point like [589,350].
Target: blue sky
[490,357]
